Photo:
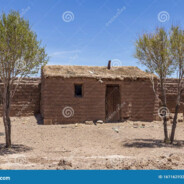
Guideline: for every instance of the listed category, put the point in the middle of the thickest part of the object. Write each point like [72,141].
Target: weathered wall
[137,99]
[26,100]
[171,93]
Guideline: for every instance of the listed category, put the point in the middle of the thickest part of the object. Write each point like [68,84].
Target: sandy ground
[127,145]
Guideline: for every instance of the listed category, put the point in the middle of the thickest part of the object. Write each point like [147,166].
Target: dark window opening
[78,90]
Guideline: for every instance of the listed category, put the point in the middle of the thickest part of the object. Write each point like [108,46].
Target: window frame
[82,90]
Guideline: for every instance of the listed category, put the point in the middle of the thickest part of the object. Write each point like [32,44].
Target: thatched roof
[98,72]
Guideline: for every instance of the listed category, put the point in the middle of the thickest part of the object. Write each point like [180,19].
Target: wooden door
[113,103]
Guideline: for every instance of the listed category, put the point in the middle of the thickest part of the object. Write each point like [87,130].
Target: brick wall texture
[171,93]
[138,100]
[26,100]
[51,95]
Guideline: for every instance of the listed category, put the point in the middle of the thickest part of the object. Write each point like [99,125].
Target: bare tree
[20,55]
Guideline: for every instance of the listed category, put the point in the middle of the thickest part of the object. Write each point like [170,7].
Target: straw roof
[98,72]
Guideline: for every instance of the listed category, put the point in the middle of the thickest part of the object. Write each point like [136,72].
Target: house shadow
[151,143]
[15,148]
[39,118]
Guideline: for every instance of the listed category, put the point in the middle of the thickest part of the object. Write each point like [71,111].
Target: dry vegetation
[120,72]
[128,145]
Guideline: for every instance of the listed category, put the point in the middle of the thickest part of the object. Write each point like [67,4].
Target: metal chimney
[109,65]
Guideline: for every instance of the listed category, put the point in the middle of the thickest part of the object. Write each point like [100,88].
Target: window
[78,90]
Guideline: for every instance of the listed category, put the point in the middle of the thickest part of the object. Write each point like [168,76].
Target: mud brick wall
[171,92]
[140,99]
[137,99]
[26,100]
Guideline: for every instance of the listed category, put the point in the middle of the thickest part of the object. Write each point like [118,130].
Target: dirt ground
[127,145]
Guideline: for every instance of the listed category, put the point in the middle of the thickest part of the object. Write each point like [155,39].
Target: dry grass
[119,73]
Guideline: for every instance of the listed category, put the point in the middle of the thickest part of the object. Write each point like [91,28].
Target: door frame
[113,85]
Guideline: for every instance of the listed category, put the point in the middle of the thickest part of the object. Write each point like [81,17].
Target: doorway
[112,103]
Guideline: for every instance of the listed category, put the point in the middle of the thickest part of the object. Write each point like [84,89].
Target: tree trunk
[6,115]
[166,138]
[175,118]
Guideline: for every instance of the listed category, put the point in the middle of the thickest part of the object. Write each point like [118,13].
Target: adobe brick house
[71,94]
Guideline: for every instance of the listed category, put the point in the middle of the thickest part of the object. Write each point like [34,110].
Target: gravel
[82,146]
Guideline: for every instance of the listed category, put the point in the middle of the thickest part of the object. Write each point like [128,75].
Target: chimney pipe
[109,65]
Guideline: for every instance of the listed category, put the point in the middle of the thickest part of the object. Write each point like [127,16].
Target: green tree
[21,55]
[153,51]
[177,50]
